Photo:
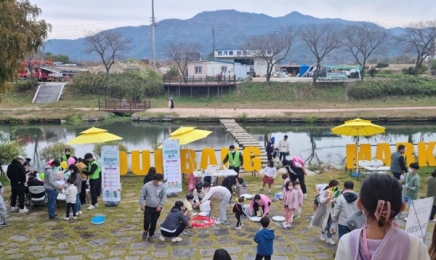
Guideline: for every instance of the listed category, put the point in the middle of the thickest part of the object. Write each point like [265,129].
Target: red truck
[42,70]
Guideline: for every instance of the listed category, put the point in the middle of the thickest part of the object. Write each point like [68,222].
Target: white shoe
[162,238]
[80,212]
[331,241]
[96,205]
[13,208]
[90,207]
[176,239]
[322,237]
[405,219]
[24,210]
[74,217]
[238,228]
[217,222]
[67,218]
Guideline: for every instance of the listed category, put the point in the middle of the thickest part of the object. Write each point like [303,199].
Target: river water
[312,142]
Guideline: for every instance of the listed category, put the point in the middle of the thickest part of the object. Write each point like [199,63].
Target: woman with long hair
[77,178]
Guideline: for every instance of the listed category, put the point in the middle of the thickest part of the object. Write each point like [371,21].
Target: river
[314,143]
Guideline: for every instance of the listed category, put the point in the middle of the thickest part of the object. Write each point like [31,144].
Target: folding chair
[37,190]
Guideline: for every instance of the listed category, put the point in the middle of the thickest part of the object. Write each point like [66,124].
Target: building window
[224,69]
[198,69]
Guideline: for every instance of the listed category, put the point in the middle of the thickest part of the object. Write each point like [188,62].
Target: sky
[73,18]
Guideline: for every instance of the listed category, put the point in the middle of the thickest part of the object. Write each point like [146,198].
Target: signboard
[110,167]
[171,165]
[418,218]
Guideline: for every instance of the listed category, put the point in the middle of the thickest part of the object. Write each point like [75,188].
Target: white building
[211,68]
[255,63]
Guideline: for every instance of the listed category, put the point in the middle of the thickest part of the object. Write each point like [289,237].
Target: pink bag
[192,181]
[297,161]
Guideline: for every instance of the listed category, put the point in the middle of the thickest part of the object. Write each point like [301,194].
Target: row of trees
[358,40]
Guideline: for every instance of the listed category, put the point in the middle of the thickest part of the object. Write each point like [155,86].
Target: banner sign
[110,167]
[418,218]
[171,165]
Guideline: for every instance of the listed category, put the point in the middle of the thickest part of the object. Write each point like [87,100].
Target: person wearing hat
[284,148]
[67,155]
[270,148]
[411,184]
[94,171]
[234,158]
[17,176]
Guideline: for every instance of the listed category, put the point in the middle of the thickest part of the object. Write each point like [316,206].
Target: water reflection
[316,144]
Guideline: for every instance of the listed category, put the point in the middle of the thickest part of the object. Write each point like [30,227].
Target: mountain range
[230,29]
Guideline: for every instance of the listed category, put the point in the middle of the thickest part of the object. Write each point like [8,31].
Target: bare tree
[182,54]
[418,38]
[363,40]
[320,39]
[271,47]
[110,45]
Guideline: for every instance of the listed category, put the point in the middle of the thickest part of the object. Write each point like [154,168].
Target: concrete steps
[48,93]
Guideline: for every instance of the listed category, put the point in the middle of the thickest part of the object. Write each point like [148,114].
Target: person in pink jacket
[288,204]
[260,200]
[300,198]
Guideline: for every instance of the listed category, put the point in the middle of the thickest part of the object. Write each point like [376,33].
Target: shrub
[372,71]
[97,148]
[25,85]
[130,85]
[172,72]
[415,71]
[54,151]
[8,151]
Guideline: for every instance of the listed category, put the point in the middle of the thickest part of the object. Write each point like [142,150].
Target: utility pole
[213,42]
[153,36]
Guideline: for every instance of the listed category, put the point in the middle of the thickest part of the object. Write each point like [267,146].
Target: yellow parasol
[358,127]
[94,135]
[190,136]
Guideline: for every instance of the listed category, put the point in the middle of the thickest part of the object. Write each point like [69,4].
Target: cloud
[71,18]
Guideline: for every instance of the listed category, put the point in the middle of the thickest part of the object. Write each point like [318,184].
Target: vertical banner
[171,165]
[110,167]
[418,218]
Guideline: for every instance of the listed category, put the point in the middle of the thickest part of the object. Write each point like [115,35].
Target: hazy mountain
[230,28]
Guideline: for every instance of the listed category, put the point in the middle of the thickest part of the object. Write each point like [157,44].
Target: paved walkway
[237,112]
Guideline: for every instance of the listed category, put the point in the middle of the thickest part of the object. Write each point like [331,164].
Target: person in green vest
[66,155]
[235,159]
[93,173]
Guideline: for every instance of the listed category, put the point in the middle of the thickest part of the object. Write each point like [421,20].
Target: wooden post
[218,91]
[130,103]
[234,79]
[98,104]
[180,79]
[208,92]
[179,91]
[191,92]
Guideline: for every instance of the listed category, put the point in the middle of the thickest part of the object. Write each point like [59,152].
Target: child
[239,211]
[285,178]
[300,198]
[188,206]
[71,194]
[2,208]
[270,174]
[264,239]
[380,200]
[288,202]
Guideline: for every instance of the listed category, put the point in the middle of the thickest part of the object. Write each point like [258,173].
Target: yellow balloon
[64,165]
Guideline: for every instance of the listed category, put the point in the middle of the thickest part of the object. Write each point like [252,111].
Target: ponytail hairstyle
[332,183]
[380,196]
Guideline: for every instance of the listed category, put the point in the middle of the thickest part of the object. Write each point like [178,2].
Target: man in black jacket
[17,176]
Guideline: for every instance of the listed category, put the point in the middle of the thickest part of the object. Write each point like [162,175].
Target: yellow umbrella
[94,135]
[182,130]
[358,127]
[190,136]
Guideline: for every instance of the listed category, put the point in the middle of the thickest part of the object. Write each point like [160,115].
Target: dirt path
[212,112]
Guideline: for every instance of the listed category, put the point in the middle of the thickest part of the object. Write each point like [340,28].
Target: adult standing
[284,148]
[431,192]
[51,187]
[66,155]
[398,163]
[221,193]
[175,223]
[153,193]
[77,178]
[346,204]
[149,176]
[270,148]
[17,176]
[171,103]
[260,200]
[82,168]
[93,172]
[322,218]
[412,181]
[296,170]
[235,159]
